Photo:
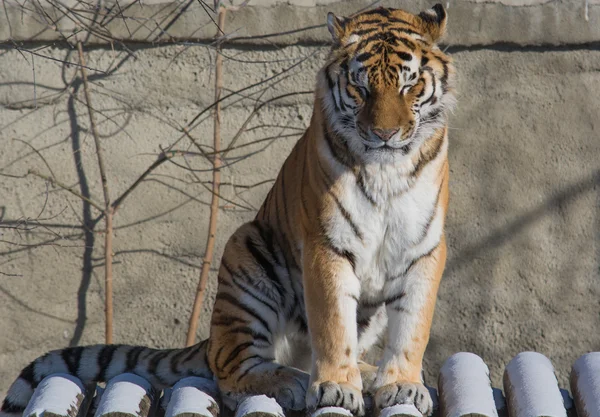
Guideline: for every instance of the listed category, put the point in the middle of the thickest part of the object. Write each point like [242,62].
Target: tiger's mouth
[390,145]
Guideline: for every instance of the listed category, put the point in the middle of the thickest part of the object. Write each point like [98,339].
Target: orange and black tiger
[349,242]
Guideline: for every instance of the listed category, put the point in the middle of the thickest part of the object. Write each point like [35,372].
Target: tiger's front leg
[410,306]
[331,292]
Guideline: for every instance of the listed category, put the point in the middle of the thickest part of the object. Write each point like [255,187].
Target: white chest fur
[405,224]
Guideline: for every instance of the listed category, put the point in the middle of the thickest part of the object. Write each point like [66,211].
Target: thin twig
[57,60]
[108,210]
[214,206]
[65,187]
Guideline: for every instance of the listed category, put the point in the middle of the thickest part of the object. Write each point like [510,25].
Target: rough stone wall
[524,244]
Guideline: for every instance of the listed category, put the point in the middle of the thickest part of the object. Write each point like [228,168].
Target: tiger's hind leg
[254,304]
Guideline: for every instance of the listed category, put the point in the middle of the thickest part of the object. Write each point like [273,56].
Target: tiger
[347,248]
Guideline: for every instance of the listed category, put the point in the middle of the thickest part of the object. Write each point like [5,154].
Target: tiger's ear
[336,26]
[434,22]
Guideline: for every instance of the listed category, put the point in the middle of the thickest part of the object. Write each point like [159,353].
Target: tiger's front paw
[332,394]
[405,393]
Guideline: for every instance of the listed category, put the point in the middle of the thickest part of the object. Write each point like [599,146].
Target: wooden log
[531,387]
[259,405]
[585,385]
[400,410]
[126,395]
[331,412]
[193,397]
[465,387]
[57,395]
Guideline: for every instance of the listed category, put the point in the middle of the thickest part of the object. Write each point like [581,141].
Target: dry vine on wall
[185,152]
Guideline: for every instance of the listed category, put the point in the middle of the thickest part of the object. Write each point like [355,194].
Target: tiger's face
[387,86]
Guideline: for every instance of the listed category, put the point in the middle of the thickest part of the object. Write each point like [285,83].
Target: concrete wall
[524,242]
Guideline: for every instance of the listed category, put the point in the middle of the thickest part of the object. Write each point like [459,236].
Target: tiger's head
[386,86]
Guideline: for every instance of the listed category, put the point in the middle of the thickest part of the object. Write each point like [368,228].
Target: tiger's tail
[99,363]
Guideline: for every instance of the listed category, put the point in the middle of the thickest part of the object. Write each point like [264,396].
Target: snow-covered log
[531,387]
[465,387]
[585,385]
[259,404]
[126,394]
[58,395]
[193,397]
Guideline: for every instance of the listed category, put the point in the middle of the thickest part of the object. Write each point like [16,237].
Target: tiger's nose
[384,134]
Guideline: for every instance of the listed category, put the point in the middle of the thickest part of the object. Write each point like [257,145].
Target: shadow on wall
[523,228]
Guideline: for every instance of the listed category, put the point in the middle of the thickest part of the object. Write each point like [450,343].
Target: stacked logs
[530,388]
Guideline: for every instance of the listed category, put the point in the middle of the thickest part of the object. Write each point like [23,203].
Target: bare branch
[214,206]
[108,210]
[59,184]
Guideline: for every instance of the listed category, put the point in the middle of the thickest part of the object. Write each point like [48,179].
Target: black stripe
[342,104]
[264,208]
[395,298]
[410,45]
[28,374]
[380,11]
[342,253]
[248,289]
[402,21]
[228,268]
[235,352]
[372,22]
[364,32]
[363,189]
[104,358]
[432,116]
[324,174]
[417,259]
[302,323]
[255,335]
[267,236]
[263,262]
[431,99]
[284,238]
[284,201]
[9,407]
[243,374]
[354,297]
[250,280]
[338,397]
[404,56]
[363,57]
[217,356]
[227,321]
[347,216]
[338,148]
[331,85]
[405,30]
[305,160]
[174,361]
[444,79]
[240,363]
[133,357]
[371,304]
[247,309]
[72,357]
[156,359]
[195,350]
[424,160]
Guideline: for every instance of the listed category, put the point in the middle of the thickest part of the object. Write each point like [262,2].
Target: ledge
[472,22]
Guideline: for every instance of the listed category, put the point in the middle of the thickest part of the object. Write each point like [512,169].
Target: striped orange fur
[349,242]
